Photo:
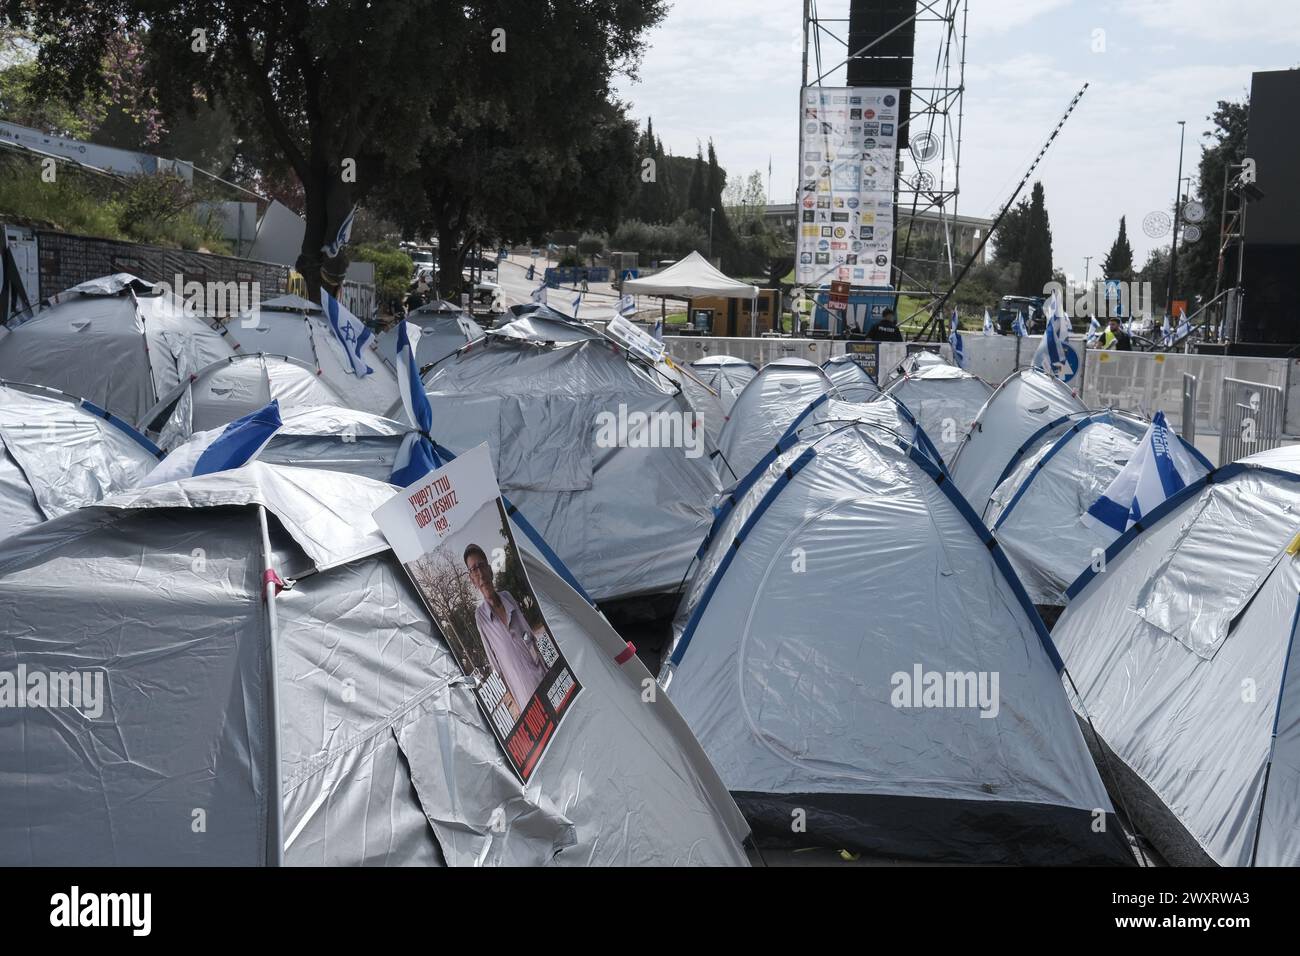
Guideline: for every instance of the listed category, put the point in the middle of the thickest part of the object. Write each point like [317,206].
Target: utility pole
[1178,210]
[1087,261]
[711,211]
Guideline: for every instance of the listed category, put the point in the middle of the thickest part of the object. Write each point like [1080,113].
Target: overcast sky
[730,70]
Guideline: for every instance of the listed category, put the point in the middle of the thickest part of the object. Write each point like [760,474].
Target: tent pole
[271,583]
[1272,741]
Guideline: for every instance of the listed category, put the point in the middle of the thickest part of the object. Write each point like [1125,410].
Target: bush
[393,268]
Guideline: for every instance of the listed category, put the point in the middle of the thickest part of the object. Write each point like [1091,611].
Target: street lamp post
[1087,261]
[1178,209]
[711,211]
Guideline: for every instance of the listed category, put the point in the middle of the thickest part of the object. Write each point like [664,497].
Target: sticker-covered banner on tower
[847,147]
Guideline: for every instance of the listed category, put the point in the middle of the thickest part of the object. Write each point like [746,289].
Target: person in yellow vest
[1115,338]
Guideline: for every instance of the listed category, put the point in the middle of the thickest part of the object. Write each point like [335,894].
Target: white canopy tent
[691,278]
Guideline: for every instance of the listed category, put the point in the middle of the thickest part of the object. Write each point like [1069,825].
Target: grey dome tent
[838,580]
[1028,404]
[114,346]
[1184,653]
[625,517]
[59,453]
[544,324]
[1036,512]
[293,326]
[234,387]
[441,334]
[726,375]
[383,755]
[944,398]
[854,383]
[764,410]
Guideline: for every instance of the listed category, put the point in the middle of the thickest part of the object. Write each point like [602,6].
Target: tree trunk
[328,201]
[451,260]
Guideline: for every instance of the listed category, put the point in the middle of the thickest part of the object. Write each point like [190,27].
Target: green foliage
[1226,145]
[1118,263]
[655,241]
[393,268]
[1036,254]
[159,210]
[1009,237]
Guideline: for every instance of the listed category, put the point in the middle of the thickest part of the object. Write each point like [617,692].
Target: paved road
[597,303]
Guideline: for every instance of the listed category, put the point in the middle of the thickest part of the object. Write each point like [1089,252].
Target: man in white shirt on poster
[504,630]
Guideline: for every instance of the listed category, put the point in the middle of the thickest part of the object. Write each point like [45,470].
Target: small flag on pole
[332,249]
[577,304]
[219,449]
[1166,333]
[658,330]
[350,332]
[1019,325]
[627,305]
[415,458]
[1094,330]
[1155,472]
[988,324]
[1184,327]
[539,294]
[954,339]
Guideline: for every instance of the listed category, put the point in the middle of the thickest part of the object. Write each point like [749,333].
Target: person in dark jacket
[1115,338]
[886,330]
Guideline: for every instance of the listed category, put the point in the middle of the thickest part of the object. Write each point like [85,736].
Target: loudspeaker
[878,57]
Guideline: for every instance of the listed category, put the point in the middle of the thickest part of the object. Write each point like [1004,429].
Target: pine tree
[1118,263]
[1036,253]
[697,199]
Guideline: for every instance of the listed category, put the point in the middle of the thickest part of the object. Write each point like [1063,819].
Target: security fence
[1252,419]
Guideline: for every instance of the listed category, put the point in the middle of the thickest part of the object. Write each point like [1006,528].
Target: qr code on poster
[547,648]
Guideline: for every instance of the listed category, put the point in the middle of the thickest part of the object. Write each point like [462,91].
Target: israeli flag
[1094,330]
[658,330]
[577,304]
[954,339]
[1166,333]
[1019,325]
[332,249]
[1184,327]
[1156,471]
[219,449]
[988,324]
[1054,355]
[627,305]
[350,331]
[415,458]
[539,294]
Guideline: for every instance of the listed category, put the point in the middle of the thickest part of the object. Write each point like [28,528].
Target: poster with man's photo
[450,531]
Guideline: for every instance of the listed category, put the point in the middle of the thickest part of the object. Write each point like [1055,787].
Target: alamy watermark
[947,689]
[74,690]
[1106,299]
[217,299]
[659,429]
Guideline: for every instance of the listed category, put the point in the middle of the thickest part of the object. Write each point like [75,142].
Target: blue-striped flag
[988,324]
[219,449]
[1156,471]
[332,249]
[350,332]
[954,339]
[627,305]
[415,458]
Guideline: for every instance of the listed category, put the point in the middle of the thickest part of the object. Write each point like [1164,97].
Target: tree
[1227,145]
[1118,263]
[339,88]
[529,139]
[1036,254]
[697,198]
[1009,239]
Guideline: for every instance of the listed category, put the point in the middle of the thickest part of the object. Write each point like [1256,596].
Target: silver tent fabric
[625,520]
[851,380]
[441,334]
[337,439]
[1180,652]
[118,351]
[536,327]
[233,388]
[57,456]
[284,327]
[386,757]
[726,375]
[944,398]
[1036,512]
[763,411]
[1026,401]
[843,566]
